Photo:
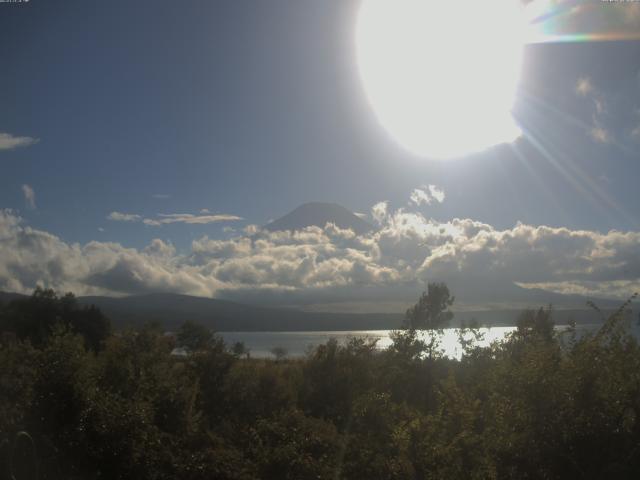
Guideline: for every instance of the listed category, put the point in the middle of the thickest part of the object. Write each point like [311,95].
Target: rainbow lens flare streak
[575,21]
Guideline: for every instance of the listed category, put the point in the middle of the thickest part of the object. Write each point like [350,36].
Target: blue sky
[248,109]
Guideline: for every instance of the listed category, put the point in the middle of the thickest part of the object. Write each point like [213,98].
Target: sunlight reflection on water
[298,344]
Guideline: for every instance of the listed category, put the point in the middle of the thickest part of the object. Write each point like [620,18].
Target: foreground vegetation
[97,404]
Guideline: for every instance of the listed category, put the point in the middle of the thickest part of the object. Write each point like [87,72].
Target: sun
[441,76]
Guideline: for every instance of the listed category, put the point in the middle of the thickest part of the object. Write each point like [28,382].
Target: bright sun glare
[441,76]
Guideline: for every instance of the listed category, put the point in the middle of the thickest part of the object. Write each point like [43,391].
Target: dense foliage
[541,404]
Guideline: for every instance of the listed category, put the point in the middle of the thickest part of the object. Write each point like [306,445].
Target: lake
[298,343]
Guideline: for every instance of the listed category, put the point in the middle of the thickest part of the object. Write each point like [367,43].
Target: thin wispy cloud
[426,195]
[29,196]
[161,196]
[188,218]
[123,217]
[169,218]
[634,130]
[9,141]
[611,121]
[597,131]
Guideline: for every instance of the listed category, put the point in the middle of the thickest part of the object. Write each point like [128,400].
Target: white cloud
[33,257]
[251,229]
[29,196]
[600,135]
[479,262]
[437,193]
[379,211]
[123,217]
[419,197]
[160,248]
[9,141]
[426,195]
[161,196]
[584,86]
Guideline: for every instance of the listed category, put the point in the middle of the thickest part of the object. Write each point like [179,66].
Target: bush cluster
[117,405]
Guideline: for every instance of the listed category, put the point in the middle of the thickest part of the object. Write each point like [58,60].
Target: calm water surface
[298,344]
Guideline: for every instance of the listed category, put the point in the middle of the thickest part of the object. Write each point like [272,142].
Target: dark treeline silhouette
[37,317]
[543,403]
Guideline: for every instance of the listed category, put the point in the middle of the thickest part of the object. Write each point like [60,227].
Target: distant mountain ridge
[223,315]
[319,214]
[6,297]
[170,310]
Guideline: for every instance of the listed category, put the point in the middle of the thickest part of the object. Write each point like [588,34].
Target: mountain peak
[319,214]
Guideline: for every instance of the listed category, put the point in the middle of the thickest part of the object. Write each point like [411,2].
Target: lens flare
[441,77]
[576,21]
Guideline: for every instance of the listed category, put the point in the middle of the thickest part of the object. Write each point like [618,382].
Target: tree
[91,323]
[194,336]
[279,352]
[239,349]
[432,310]
[538,323]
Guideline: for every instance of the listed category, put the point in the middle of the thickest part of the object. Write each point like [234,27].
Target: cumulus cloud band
[408,249]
